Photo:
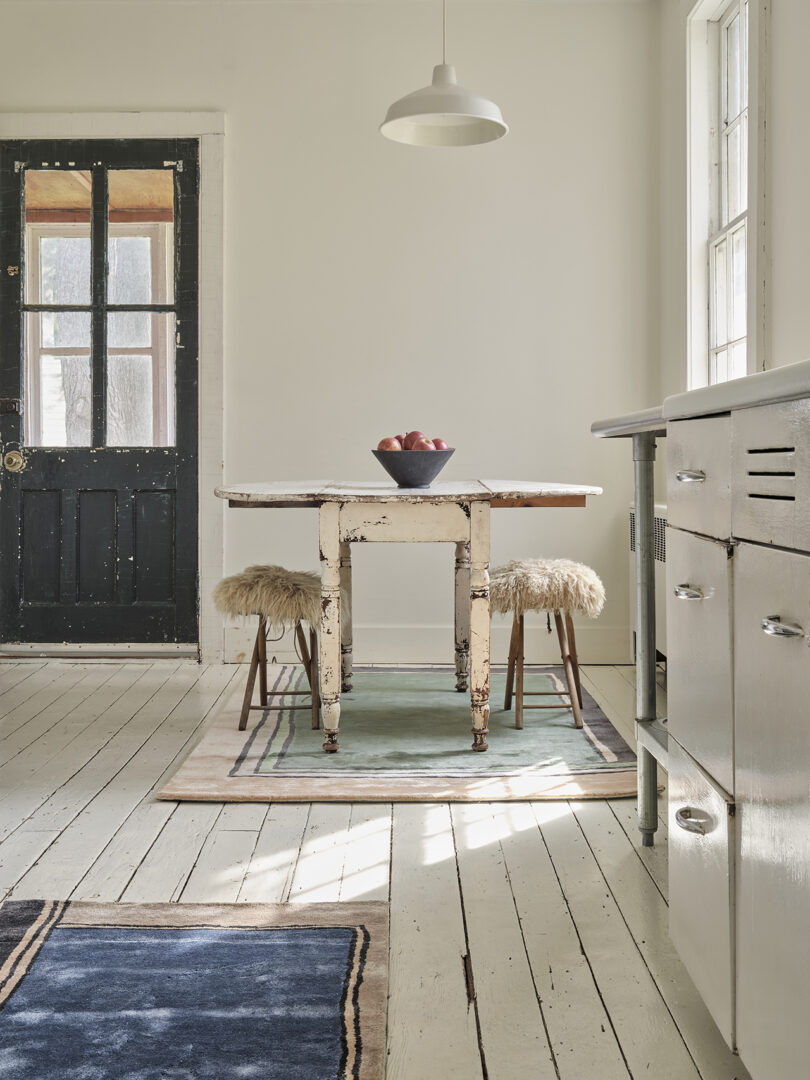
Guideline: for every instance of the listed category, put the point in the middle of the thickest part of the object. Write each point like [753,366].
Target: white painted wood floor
[562,914]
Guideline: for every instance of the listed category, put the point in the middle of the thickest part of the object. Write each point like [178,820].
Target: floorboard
[526,939]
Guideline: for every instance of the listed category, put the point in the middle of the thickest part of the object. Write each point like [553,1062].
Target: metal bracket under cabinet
[654,737]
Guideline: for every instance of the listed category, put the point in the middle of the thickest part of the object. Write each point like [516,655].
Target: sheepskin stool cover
[282,597]
[546,585]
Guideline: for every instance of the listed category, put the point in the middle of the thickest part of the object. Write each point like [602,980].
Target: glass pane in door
[57,241]
[140,379]
[58,379]
[141,236]
[66,400]
[130,268]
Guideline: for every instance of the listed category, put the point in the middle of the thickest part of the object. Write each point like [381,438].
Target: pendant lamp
[444,113]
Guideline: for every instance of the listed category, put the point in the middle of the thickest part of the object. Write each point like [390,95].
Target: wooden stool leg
[306,659]
[313,680]
[572,648]
[261,639]
[251,679]
[510,665]
[519,665]
[569,669]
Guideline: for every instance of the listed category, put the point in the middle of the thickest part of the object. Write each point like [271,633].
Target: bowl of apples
[412,460]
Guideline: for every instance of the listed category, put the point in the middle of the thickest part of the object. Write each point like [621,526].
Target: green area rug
[405,736]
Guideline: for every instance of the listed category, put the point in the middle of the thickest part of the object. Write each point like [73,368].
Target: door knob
[13,461]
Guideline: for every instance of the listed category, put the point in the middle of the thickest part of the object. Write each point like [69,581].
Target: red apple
[411,438]
[401,438]
[440,444]
[390,443]
[423,444]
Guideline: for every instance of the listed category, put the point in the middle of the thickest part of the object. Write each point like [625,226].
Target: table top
[288,493]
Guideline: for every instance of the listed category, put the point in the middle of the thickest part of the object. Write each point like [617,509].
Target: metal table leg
[644,463]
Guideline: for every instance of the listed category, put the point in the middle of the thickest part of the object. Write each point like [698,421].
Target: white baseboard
[434,644]
[99,651]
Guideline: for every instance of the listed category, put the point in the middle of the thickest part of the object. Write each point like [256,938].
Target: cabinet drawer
[772,677]
[701,884]
[771,469]
[700,692]
[699,475]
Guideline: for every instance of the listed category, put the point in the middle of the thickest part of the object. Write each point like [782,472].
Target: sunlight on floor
[437,844]
[488,824]
[370,879]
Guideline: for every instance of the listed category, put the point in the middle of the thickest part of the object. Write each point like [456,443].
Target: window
[726,219]
[139,370]
[728,244]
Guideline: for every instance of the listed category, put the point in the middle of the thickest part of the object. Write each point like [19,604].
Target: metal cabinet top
[786,383]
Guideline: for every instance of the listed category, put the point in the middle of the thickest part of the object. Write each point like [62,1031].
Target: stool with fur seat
[282,599]
[556,585]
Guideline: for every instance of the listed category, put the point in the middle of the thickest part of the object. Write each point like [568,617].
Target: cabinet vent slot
[771,473]
[659,536]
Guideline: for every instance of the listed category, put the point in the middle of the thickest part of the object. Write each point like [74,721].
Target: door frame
[209,129]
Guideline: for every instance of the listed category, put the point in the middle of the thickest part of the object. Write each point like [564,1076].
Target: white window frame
[704,63]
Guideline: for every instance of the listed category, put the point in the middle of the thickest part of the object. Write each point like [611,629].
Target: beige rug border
[373,914]
[203,777]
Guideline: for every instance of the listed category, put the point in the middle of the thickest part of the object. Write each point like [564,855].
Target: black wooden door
[98,381]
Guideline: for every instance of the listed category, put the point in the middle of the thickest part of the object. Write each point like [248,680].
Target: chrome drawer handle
[774,626]
[691,476]
[689,592]
[687,821]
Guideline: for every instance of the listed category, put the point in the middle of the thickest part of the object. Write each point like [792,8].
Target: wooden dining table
[449,511]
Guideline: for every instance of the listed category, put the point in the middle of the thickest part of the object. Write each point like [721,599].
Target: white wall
[502,296]
[788,181]
[787,172]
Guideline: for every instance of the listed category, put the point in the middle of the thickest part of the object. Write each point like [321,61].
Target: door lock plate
[10,406]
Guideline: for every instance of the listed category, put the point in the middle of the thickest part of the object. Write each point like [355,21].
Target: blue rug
[192,992]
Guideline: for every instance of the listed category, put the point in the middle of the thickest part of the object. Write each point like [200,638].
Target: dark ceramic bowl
[413,468]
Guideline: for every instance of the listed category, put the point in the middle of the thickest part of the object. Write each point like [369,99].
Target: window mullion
[728,229]
[98,255]
[33,326]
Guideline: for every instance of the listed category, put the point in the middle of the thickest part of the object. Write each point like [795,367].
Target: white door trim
[209,128]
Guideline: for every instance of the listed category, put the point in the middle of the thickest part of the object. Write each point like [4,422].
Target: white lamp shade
[443,114]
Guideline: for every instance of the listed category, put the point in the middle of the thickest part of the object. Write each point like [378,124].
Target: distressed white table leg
[346,617]
[462,615]
[329,648]
[479,623]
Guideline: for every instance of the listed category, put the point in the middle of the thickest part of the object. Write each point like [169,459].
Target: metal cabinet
[699,475]
[738,631]
[771,474]
[700,708]
[772,719]
[701,890]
